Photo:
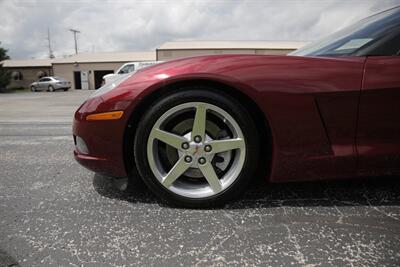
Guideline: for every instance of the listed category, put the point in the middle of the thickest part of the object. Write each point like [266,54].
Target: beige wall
[29,75]
[66,70]
[164,55]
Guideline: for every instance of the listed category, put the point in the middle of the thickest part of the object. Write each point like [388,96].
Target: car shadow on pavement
[372,191]
[133,190]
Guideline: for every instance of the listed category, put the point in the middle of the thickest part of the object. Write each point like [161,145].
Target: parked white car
[128,68]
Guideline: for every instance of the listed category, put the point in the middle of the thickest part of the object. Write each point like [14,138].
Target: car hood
[228,66]
[254,72]
[236,67]
[205,64]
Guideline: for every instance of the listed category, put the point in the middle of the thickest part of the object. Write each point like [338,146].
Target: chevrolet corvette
[198,130]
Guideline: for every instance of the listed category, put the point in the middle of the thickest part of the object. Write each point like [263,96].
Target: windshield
[352,39]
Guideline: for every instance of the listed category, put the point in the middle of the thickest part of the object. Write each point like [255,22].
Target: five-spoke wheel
[194,150]
[197,149]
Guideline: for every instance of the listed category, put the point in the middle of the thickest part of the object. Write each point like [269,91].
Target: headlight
[110,85]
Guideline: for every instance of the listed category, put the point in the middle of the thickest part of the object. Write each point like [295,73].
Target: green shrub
[5,76]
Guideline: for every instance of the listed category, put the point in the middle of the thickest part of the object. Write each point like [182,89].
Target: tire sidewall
[197,94]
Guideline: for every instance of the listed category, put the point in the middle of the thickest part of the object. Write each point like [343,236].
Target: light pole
[51,55]
[76,44]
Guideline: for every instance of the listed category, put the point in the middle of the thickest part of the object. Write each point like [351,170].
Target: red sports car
[199,129]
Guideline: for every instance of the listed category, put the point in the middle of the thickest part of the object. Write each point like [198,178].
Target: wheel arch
[260,120]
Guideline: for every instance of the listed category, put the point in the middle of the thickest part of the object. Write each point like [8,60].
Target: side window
[394,46]
[131,68]
[127,69]
[397,46]
[390,48]
[122,71]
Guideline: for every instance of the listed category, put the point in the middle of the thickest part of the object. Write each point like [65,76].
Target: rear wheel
[51,88]
[196,148]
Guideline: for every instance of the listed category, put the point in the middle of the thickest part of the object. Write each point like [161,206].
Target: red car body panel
[378,138]
[310,103]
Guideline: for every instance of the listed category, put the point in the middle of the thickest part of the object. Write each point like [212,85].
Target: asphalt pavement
[53,212]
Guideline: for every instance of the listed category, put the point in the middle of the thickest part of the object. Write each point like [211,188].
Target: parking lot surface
[55,212]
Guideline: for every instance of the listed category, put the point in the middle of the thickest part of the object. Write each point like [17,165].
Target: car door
[45,83]
[40,84]
[378,135]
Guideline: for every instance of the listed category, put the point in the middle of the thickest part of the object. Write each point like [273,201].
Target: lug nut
[207,148]
[197,138]
[188,159]
[202,160]
[185,145]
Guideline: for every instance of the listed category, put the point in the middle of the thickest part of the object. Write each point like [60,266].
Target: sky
[140,25]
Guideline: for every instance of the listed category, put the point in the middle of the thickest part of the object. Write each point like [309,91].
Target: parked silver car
[50,84]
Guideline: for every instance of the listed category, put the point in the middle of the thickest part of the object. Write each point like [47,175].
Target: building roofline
[107,57]
[31,63]
[96,62]
[201,45]
[210,48]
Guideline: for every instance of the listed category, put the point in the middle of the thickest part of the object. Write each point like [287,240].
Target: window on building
[17,76]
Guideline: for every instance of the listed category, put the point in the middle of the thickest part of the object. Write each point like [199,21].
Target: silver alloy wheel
[196,151]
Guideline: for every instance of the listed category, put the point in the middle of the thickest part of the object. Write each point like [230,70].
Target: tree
[4,74]
[3,53]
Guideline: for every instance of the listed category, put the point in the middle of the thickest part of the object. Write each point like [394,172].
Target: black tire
[211,96]
[51,88]
[33,88]
[65,89]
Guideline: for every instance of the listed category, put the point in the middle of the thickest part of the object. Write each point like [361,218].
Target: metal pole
[76,43]
[51,55]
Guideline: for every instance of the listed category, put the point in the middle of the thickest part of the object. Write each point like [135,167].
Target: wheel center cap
[195,149]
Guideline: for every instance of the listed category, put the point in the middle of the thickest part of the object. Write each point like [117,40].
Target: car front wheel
[197,148]
[33,88]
